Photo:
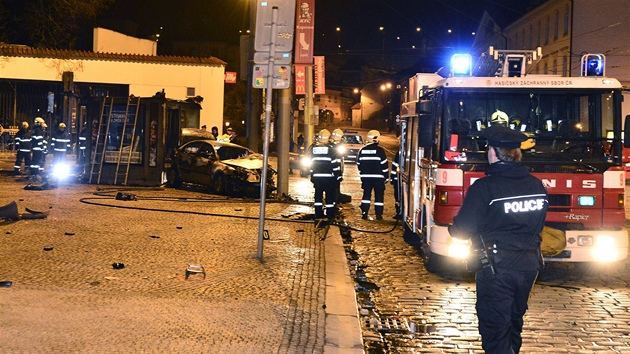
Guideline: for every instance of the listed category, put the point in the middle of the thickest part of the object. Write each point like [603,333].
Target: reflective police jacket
[23,141]
[372,163]
[325,164]
[60,141]
[507,208]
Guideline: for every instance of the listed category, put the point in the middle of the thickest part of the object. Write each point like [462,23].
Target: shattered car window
[231,152]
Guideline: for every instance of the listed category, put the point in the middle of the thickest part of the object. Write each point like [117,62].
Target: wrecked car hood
[248,163]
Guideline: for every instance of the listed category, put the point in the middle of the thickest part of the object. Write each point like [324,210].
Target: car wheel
[172,178]
[219,183]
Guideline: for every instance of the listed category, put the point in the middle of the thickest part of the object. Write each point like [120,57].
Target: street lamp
[338,39]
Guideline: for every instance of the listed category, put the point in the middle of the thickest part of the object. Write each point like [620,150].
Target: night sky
[359,21]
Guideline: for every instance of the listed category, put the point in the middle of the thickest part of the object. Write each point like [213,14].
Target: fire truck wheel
[432,262]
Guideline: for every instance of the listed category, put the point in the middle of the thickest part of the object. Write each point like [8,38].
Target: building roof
[10,50]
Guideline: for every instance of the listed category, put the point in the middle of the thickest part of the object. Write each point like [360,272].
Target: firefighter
[23,148]
[38,160]
[60,144]
[326,176]
[505,211]
[499,118]
[393,177]
[82,143]
[373,170]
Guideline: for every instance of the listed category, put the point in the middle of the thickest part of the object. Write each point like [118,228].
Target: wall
[144,77]
[108,41]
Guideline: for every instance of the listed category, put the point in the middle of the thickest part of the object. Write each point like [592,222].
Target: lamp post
[358,92]
[382,29]
[338,40]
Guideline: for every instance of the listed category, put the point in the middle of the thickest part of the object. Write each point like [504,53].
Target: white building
[119,63]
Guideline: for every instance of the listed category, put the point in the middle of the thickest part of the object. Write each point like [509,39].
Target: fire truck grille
[559,200]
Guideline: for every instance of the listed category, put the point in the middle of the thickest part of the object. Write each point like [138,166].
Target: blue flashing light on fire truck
[575,148]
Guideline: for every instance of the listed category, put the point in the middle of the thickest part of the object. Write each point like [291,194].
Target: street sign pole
[268,101]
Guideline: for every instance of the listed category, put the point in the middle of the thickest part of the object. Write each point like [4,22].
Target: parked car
[224,167]
[351,143]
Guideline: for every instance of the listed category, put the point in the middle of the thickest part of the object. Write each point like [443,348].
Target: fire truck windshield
[563,125]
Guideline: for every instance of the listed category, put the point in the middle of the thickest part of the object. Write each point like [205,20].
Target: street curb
[343,329]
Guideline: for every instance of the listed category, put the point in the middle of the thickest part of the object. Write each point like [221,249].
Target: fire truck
[574,125]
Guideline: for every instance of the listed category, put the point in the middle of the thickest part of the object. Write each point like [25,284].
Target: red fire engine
[575,148]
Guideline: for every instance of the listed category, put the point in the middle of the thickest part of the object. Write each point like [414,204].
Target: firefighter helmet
[336,135]
[25,125]
[40,121]
[62,126]
[323,136]
[499,117]
[373,135]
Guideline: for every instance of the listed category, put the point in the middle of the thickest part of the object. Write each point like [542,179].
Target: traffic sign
[279,58]
[280,78]
[283,40]
[300,79]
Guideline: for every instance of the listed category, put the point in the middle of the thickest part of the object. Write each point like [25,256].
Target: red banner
[304,31]
[320,76]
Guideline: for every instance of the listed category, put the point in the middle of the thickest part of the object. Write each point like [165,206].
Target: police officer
[38,160]
[505,211]
[23,148]
[325,175]
[373,170]
[393,178]
[60,144]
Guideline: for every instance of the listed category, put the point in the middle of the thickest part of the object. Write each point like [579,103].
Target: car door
[205,157]
[186,159]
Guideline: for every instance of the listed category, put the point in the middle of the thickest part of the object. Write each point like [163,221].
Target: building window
[190,92]
[566,20]
[531,37]
[539,34]
[556,24]
[554,70]
[546,69]
[547,24]
[523,44]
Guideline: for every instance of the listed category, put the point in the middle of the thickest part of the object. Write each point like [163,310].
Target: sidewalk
[66,295]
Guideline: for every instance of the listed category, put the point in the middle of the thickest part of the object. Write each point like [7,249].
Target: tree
[55,24]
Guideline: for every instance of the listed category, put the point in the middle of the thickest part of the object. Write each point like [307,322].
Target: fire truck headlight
[459,248]
[586,200]
[60,171]
[585,241]
[341,149]
[605,250]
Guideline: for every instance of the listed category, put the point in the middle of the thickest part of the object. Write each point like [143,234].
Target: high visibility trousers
[327,187]
[378,185]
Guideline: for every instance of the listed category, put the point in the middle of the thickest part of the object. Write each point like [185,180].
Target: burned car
[224,167]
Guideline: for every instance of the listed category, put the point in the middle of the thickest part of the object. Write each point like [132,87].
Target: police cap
[504,137]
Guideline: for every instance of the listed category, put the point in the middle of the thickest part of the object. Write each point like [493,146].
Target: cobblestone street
[406,309]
